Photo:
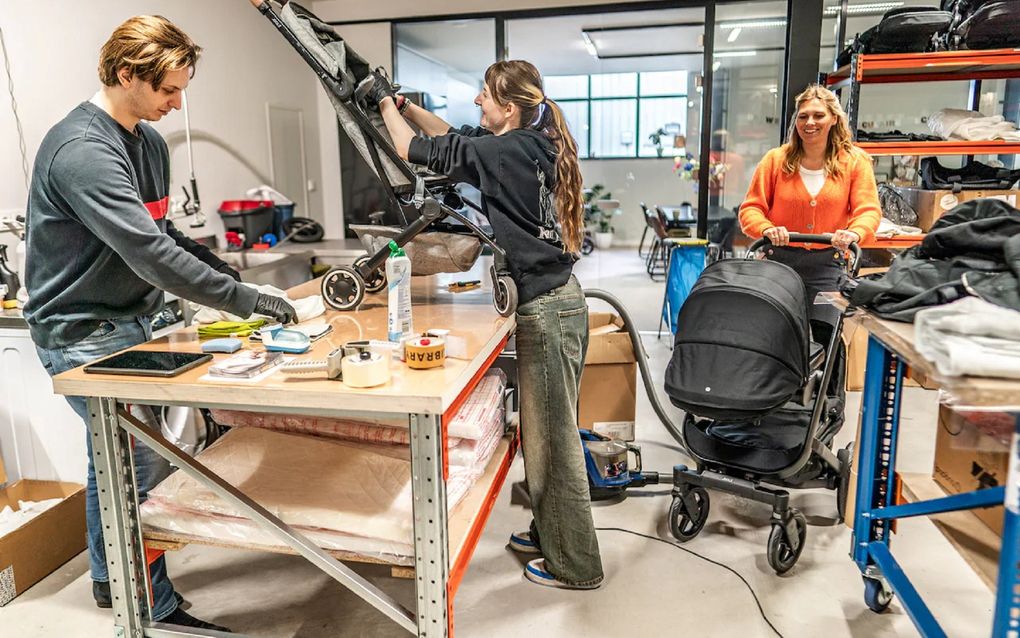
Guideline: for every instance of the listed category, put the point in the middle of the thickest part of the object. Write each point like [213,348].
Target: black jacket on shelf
[973,249]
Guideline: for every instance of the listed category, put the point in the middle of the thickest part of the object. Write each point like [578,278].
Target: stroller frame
[344,287]
[689,509]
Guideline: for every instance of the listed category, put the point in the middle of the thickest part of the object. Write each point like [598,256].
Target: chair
[658,256]
[648,225]
[673,227]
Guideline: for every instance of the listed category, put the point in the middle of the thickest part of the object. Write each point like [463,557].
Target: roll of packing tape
[365,370]
[425,352]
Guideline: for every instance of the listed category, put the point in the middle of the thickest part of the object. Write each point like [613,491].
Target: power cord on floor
[761,610]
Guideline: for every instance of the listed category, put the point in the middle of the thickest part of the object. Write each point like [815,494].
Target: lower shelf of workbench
[465,523]
[976,543]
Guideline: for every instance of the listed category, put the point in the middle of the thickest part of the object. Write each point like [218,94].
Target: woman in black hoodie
[523,159]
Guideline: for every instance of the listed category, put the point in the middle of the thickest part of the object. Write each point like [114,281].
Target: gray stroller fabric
[430,253]
[330,50]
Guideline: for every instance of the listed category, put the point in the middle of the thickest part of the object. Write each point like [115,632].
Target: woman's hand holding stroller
[842,239]
[778,235]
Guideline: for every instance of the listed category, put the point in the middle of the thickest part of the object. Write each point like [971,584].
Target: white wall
[54,50]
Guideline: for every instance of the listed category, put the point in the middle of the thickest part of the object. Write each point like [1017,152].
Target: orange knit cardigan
[777,199]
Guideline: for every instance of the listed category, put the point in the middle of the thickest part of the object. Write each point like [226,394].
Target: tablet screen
[148,363]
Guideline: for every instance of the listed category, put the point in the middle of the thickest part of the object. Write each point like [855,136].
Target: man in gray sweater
[101,250]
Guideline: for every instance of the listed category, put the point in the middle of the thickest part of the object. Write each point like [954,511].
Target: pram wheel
[782,553]
[845,458]
[685,524]
[378,280]
[343,288]
[504,295]
[876,595]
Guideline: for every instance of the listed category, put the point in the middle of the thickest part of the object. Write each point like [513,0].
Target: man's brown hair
[149,46]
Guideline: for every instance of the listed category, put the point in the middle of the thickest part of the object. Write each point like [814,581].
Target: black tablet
[148,363]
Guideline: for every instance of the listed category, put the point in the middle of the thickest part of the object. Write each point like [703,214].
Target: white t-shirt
[813,180]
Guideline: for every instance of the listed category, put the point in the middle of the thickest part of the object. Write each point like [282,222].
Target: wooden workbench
[427,399]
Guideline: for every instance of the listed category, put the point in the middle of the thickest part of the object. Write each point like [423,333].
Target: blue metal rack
[876,509]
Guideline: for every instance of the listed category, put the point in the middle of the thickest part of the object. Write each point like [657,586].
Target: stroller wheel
[343,288]
[378,280]
[845,458]
[684,523]
[504,295]
[782,554]
[876,595]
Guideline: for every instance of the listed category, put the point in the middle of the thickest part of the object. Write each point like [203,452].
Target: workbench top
[469,315]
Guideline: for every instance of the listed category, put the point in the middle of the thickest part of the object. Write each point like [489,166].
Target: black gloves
[381,89]
[275,307]
[227,270]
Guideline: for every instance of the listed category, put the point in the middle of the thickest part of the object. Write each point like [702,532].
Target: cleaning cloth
[306,308]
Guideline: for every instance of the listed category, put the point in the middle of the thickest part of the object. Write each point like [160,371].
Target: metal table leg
[431,537]
[1007,593]
[118,501]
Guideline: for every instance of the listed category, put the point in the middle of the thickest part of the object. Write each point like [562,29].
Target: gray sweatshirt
[99,245]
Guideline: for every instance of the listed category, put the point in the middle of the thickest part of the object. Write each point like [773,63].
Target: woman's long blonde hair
[837,147]
[520,83]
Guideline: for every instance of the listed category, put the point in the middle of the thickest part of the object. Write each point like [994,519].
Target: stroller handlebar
[800,238]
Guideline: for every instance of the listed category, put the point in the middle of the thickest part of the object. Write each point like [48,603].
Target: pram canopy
[742,342]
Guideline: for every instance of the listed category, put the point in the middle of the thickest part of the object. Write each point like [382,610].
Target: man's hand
[778,235]
[275,307]
[227,270]
[842,239]
[381,89]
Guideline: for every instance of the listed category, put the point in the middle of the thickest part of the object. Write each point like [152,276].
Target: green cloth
[230,328]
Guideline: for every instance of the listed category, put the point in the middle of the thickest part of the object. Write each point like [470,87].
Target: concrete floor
[652,589]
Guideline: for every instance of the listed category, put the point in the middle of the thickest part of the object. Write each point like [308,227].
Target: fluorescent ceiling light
[734,34]
[589,45]
[716,65]
[867,7]
[753,24]
[736,54]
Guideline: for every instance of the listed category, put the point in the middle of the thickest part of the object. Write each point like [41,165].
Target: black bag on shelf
[901,30]
[894,207]
[974,176]
[992,25]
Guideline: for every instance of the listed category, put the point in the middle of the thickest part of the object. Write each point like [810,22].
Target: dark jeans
[150,468]
[552,339]
[822,271]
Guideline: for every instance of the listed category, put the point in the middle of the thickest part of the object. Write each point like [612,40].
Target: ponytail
[569,206]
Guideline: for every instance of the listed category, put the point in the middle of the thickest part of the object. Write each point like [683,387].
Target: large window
[624,114]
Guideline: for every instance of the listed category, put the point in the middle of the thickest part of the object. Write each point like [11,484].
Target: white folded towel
[306,308]
[961,124]
[970,337]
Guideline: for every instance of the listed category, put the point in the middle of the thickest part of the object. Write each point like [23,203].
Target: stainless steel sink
[282,270]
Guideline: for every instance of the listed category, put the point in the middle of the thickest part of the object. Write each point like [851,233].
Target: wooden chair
[648,226]
[658,257]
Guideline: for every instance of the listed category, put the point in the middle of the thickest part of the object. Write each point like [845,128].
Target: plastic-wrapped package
[480,409]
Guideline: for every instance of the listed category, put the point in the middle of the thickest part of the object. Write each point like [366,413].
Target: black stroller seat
[753,384]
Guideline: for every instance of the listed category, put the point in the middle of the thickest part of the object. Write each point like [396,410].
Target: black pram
[751,381]
[347,79]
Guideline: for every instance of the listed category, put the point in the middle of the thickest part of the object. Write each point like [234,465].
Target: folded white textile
[887,228]
[970,337]
[961,124]
[306,308]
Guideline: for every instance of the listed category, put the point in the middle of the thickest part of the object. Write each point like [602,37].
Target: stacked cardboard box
[609,382]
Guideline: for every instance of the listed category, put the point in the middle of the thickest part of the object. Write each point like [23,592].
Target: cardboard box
[930,205]
[609,381]
[971,453]
[33,551]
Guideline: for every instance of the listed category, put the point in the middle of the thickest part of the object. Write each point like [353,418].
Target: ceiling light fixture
[589,45]
[753,24]
[750,53]
[867,7]
[734,34]
[716,65]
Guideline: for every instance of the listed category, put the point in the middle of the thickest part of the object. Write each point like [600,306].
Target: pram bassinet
[347,78]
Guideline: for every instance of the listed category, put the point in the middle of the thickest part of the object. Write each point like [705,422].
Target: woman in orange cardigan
[816,183]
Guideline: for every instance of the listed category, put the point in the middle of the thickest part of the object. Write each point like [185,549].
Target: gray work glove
[275,307]
[227,270]
[381,89]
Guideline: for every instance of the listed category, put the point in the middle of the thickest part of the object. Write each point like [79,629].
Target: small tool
[461,286]
[331,365]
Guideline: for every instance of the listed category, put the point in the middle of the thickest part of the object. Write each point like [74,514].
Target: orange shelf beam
[930,67]
[898,241]
[951,147]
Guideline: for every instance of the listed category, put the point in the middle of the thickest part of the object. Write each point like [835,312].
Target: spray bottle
[398,277]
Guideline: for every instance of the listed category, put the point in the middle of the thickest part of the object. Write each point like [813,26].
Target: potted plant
[656,140]
[599,211]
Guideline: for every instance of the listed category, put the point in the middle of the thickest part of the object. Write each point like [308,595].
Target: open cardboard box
[609,382]
[33,551]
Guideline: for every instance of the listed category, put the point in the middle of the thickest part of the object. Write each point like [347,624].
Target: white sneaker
[535,572]
[521,542]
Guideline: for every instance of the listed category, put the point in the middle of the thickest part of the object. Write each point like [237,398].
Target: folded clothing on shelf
[353,497]
[970,337]
[972,126]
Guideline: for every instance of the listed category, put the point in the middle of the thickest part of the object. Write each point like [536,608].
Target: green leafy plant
[602,218]
[656,140]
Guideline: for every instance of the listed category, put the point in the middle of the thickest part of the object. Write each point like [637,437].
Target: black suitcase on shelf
[901,30]
[974,176]
[993,25]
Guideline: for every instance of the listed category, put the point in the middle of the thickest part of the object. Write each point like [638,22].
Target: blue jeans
[552,340]
[113,336]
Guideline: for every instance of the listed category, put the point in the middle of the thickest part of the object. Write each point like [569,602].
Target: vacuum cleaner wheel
[343,288]
[378,280]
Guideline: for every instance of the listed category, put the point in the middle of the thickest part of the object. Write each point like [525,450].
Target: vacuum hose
[642,361]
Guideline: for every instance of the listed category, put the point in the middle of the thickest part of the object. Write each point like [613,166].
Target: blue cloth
[114,335]
[685,266]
